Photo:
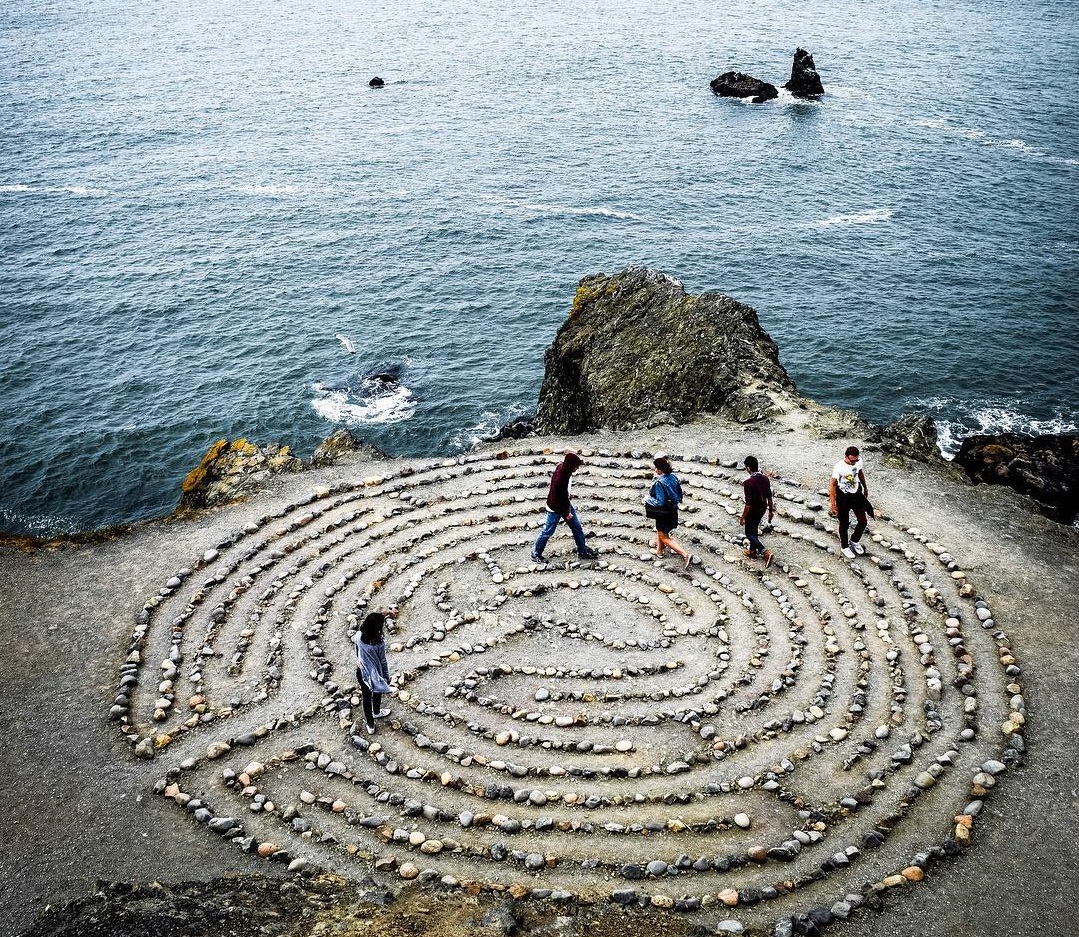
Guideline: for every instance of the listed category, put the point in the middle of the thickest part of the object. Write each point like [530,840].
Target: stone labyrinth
[776,747]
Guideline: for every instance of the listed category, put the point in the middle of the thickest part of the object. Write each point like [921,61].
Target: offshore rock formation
[233,470]
[1044,467]
[740,85]
[637,350]
[804,81]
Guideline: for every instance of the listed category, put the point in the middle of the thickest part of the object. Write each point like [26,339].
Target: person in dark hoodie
[559,508]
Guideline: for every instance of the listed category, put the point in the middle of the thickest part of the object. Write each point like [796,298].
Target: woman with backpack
[662,504]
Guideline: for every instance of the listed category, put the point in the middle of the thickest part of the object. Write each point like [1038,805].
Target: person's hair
[371,629]
[663,464]
[852,450]
[750,462]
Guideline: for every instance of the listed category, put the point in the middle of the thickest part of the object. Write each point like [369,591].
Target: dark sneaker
[588,554]
[535,557]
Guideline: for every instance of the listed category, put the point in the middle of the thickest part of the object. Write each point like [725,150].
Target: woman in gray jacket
[372,670]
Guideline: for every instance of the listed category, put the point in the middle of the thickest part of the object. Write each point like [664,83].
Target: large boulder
[1044,467]
[341,443]
[232,470]
[913,435]
[637,350]
[804,81]
[740,85]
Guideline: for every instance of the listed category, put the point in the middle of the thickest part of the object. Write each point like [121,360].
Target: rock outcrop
[804,81]
[740,85]
[376,82]
[340,443]
[230,471]
[1044,467]
[637,350]
[913,435]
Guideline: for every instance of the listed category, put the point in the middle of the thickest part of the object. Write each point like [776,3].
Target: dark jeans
[753,523]
[844,505]
[549,528]
[372,702]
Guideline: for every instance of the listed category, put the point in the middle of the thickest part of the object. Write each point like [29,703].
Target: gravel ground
[77,809]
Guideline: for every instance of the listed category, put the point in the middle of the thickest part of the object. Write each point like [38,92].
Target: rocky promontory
[637,349]
[1044,467]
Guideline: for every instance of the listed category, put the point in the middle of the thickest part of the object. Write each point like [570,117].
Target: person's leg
[843,510]
[661,542]
[752,526]
[548,528]
[365,695]
[862,524]
[578,534]
[376,704]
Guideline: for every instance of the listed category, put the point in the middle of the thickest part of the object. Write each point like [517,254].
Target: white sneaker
[857,547]
[848,553]
[382,713]
[370,730]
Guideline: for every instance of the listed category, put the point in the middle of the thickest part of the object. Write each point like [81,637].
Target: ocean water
[201,202]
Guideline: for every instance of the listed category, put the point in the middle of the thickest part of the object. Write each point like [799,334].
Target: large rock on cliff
[637,350]
[230,471]
[741,85]
[804,81]
[1044,467]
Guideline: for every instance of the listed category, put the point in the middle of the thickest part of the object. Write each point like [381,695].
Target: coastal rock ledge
[637,350]
[1044,467]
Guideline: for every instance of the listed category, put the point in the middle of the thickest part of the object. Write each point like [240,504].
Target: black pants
[753,523]
[372,702]
[844,505]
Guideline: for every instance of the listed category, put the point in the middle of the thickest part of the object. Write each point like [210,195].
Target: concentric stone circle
[768,744]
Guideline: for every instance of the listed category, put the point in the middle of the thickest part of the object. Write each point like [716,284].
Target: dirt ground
[77,809]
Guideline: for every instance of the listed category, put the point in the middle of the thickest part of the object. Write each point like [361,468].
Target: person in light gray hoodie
[372,669]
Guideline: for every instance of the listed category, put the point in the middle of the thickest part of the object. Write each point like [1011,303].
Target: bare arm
[865,485]
[833,510]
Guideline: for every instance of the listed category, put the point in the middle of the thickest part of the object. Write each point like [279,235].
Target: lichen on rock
[636,346]
[230,471]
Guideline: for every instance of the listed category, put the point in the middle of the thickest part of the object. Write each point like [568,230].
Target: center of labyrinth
[782,742]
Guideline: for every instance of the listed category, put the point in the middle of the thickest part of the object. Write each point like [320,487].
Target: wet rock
[804,81]
[741,85]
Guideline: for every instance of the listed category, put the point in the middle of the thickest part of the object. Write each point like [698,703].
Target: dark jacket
[558,493]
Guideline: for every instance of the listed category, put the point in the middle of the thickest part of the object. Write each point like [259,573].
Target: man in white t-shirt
[849,492]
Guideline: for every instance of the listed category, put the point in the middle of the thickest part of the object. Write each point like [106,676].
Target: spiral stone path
[765,748]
